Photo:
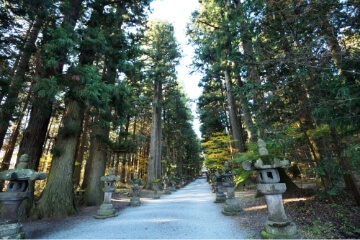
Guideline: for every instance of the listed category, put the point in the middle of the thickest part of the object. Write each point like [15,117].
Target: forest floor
[337,217]
[315,218]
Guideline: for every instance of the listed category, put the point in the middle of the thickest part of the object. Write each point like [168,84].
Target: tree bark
[57,199]
[87,173]
[94,194]
[5,164]
[284,178]
[254,77]
[35,134]
[81,151]
[248,122]
[124,160]
[236,128]
[154,164]
[349,178]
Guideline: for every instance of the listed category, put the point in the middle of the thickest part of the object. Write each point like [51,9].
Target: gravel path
[189,213]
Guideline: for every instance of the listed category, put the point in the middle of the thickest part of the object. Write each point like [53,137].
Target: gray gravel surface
[188,213]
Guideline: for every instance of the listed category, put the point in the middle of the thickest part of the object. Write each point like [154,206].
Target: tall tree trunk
[236,128]
[330,36]
[81,151]
[253,76]
[35,134]
[94,194]
[5,164]
[223,105]
[87,173]
[57,199]
[124,160]
[349,178]
[8,108]
[248,122]
[154,163]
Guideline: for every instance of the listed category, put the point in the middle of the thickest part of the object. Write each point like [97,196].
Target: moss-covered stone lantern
[107,210]
[220,195]
[16,192]
[166,185]
[232,206]
[277,225]
[135,199]
[155,186]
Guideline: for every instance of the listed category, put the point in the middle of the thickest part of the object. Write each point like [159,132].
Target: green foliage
[57,41]
[68,131]
[241,177]
[46,88]
[88,86]
[353,154]
[217,150]
[330,168]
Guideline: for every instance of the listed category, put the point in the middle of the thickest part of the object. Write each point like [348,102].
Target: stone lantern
[232,206]
[135,199]
[220,196]
[155,186]
[182,182]
[16,192]
[277,226]
[166,185]
[173,185]
[107,210]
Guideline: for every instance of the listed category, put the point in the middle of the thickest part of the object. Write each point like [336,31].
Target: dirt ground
[315,218]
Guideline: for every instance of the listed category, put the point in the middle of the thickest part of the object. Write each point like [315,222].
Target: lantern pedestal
[106,209]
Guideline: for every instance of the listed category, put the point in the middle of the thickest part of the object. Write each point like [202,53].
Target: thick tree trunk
[222,103]
[81,151]
[154,163]
[34,136]
[125,155]
[248,122]
[9,106]
[236,128]
[349,178]
[57,199]
[32,143]
[330,35]
[284,178]
[259,104]
[94,194]
[5,164]
[87,173]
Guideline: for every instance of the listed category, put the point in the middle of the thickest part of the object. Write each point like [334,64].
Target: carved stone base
[279,230]
[231,207]
[11,231]
[135,202]
[220,197]
[106,211]
[167,191]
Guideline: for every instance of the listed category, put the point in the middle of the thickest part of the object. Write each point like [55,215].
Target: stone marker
[156,189]
[16,192]
[106,209]
[135,199]
[220,196]
[166,185]
[232,206]
[277,226]
[173,185]
[177,183]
